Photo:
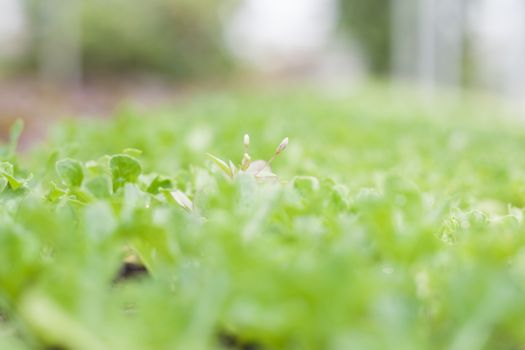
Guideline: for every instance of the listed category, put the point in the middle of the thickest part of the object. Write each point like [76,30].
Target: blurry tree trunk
[428,41]
[59,51]
[404,43]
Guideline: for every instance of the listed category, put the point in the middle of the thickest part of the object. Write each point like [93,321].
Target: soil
[131,270]
[232,341]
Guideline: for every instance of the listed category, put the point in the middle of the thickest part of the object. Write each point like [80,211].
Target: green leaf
[99,186]
[133,152]
[6,168]
[51,162]
[306,185]
[99,166]
[80,195]
[124,169]
[14,182]
[99,221]
[14,136]
[158,183]
[70,171]
[55,193]
[181,199]
[222,164]
[3,183]
[49,320]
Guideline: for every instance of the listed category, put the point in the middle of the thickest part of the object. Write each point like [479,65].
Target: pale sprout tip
[282,146]
[246,159]
[246,140]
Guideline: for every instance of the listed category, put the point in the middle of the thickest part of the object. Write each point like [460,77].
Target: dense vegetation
[393,225]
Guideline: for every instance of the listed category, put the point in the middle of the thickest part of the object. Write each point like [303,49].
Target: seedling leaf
[182,200]
[14,136]
[3,183]
[124,169]
[70,171]
[99,186]
[222,164]
[159,183]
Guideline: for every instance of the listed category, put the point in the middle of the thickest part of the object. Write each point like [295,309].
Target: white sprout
[257,168]
[282,146]
[246,160]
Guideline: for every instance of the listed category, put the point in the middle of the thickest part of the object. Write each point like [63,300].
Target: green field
[394,224]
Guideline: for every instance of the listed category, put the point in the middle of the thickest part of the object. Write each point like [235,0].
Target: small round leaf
[70,171]
[124,169]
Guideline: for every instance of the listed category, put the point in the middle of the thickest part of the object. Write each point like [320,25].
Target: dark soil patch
[129,271]
[232,341]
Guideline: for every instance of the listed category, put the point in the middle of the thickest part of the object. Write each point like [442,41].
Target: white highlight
[272,33]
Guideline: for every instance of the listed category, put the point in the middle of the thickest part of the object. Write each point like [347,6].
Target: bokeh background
[412,238]
[83,57]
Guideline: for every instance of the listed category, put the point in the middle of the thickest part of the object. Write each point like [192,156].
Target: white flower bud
[245,161]
[246,140]
[282,146]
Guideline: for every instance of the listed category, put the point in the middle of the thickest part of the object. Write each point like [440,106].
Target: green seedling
[400,230]
[7,177]
[260,169]
[8,151]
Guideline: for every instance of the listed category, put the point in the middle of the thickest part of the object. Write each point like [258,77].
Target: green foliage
[124,169]
[7,177]
[8,150]
[70,171]
[387,228]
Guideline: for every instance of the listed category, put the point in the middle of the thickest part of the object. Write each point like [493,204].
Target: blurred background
[83,56]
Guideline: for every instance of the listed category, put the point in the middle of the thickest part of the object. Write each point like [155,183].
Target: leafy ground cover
[392,225]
